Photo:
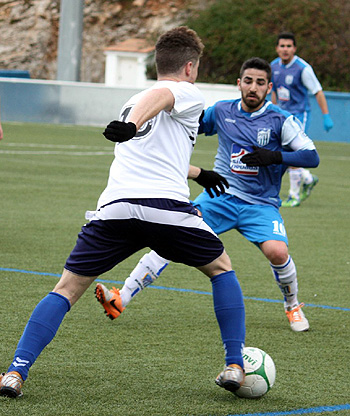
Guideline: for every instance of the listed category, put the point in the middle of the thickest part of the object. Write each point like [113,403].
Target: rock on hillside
[29,31]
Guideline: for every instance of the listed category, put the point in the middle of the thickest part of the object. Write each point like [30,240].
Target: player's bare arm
[322,102]
[151,104]
[193,172]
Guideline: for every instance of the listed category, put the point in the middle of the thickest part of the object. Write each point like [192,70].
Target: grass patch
[162,355]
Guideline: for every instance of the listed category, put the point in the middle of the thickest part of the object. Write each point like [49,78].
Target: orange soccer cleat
[110,300]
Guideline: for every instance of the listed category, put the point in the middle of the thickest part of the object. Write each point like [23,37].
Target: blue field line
[321,409]
[175,289]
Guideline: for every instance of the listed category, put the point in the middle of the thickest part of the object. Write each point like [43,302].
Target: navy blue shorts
[171,228]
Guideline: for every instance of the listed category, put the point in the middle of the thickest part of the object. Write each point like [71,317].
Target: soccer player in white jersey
[293,78]
[257,142]
[145,204]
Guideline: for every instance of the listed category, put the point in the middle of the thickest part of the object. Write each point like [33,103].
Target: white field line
[53,152]
[68,150]
[82,150]
[54,146]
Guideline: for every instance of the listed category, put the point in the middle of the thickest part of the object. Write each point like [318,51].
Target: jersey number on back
[145,128]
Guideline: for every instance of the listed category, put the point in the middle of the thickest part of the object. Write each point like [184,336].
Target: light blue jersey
[292,82]
[238,131]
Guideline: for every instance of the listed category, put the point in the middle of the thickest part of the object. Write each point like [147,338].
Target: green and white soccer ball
[260,373]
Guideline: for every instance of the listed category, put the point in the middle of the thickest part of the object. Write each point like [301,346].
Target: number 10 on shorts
[278,228]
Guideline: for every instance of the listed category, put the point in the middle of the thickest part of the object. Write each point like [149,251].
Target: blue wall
[38,101]
[339,109]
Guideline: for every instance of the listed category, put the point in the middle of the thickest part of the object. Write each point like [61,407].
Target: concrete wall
[60,101]
[39,101]
[63,102]
[339,109]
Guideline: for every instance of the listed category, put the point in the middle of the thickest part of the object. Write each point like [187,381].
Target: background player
[292,79]
[1,131]
[155,141]
[253,136]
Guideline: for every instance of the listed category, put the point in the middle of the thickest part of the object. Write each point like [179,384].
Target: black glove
[118,131]
[262,157]
[211,181]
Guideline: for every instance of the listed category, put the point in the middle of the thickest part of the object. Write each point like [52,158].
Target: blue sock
[40,330]
[230,314]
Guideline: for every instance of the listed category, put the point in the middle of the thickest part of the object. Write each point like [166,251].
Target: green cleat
[306,190]
[291,201]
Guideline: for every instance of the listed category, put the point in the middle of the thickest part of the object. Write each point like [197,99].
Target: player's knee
[279,255]
[220,265]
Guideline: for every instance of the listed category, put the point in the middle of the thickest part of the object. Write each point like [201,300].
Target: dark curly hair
[286,35]
[256,63]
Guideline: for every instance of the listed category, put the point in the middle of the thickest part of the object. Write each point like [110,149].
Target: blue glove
[327,122]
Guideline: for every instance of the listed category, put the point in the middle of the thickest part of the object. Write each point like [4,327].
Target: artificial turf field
[161,356]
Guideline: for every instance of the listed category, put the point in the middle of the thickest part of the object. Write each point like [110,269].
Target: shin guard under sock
[286,278]
[39,331]
[230,314]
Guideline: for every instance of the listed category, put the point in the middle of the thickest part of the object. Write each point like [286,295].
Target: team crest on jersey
[263,136]
[289,79]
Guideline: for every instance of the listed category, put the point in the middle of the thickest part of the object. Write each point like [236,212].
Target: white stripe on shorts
[126,210]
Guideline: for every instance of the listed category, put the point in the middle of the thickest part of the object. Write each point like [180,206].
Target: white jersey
[154,164]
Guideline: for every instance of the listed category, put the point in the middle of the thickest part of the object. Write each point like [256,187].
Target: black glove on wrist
[118,131]
[262,157]
[212,181]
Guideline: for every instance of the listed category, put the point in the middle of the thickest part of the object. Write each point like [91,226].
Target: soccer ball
[260,373]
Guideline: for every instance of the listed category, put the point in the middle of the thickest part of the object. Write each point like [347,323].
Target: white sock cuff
[307,177]
[296,172]
[286,270]
[155,262]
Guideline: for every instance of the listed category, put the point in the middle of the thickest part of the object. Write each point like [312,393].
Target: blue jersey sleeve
[301,158]
[208,122]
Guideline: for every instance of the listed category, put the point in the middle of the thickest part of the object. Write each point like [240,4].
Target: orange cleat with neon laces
[110,300]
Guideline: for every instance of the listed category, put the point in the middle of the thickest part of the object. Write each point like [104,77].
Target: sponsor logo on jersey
[230,120]
[237,166]
[263,137]
[283,93]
